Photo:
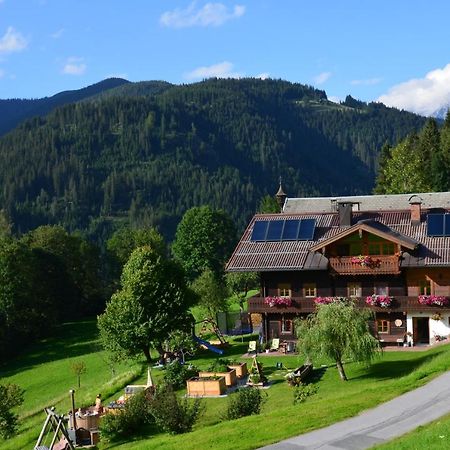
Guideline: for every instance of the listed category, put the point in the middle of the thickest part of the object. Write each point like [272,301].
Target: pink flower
[278,301]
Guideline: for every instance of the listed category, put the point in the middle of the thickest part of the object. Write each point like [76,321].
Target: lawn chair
[275,345]
[251,347]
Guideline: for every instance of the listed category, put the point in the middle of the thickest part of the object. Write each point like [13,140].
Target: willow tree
[338,330]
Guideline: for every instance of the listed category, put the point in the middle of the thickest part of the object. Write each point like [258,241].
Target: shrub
[11,395]
[245,402]
[304,391]
[129,420]
[176,374]
[219,365]
[172,414]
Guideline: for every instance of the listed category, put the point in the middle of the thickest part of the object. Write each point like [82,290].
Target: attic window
[438,225]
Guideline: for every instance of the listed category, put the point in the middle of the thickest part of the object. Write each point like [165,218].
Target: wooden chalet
[389,253]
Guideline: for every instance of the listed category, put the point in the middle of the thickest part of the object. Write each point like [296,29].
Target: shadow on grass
[381,370]
[64,343]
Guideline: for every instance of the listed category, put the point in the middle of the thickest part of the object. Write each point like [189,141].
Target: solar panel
[435,225]
[290,230]
[446,224]
[275,229]
[259,230]
[306,230]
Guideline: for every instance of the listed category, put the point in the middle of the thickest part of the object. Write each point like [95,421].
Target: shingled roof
[375,211]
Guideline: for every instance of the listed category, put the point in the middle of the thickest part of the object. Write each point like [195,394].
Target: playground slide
[208,345]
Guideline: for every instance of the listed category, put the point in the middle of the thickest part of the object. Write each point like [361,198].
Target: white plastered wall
[436,327]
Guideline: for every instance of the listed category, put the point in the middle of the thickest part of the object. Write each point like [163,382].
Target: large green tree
[204,240]
[337,330]
[153,301]
[80,260]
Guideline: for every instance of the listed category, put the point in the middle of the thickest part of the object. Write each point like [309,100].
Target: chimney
[345,214]
[415,203]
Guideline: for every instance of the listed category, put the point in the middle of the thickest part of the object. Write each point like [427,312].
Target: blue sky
[393,50]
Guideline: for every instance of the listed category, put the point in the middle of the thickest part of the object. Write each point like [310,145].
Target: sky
[395,51]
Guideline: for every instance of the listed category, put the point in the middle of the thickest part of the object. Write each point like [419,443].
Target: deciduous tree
[335,331]
[153,301]
[204,240]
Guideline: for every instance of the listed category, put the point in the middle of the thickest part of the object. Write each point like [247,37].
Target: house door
[421,330]
[274,329]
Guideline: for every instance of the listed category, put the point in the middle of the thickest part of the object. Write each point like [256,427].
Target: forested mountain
[144,153]
[14,111]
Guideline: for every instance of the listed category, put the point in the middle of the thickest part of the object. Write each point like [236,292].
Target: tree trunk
[340,368]
[148,358]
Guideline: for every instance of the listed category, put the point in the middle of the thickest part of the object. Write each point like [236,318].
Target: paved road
[381,424]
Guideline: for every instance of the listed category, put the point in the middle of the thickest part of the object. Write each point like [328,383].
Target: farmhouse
[389,253]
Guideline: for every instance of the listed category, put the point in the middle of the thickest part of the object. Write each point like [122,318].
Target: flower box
[366,261]
[230,376]
[206,386]
[240,368]
[328,300]
[381,301]
[278,301]
[433,300]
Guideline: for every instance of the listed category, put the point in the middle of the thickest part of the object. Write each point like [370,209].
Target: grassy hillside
[44,372]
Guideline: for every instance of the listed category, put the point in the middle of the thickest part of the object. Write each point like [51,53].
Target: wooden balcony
[382,265]
[307,305]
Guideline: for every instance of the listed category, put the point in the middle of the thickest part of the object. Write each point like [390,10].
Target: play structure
[54,434]
[208,345]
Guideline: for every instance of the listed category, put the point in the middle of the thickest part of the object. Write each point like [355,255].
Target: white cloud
[57,34]
[220,70]
[263,76]
[211,14]
[74,66]
[366,82]
[421,95]
[12,41]
[322,77]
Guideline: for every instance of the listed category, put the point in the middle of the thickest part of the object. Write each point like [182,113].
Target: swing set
[54,426]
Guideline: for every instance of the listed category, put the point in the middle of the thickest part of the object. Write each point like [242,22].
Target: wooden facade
[376,252]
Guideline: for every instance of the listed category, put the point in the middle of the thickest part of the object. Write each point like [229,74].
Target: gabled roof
[374,227]
[375,216]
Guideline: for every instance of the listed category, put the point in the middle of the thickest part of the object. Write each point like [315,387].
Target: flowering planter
[433,300]
[381,301]
[240,368]
[206,387]
[230,376]
[278,301]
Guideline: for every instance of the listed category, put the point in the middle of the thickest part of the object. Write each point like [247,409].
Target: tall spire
[280,197]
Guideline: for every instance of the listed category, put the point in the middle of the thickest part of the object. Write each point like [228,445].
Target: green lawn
[434,436]
[44,373]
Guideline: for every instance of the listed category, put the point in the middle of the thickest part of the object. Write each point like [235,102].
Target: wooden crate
[206,387]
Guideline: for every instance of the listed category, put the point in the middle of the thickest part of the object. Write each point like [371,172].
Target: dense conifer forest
[143,153]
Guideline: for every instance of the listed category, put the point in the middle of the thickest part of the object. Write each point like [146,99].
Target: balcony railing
[307,305]
[383,264]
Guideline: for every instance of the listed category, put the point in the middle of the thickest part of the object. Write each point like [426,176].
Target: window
[286,326]
[354,289]
[284,290]
[381,289]
[309,290]
[425,287]
[383,326]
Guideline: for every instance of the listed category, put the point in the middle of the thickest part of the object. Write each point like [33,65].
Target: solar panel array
[284,230]
[438,225]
